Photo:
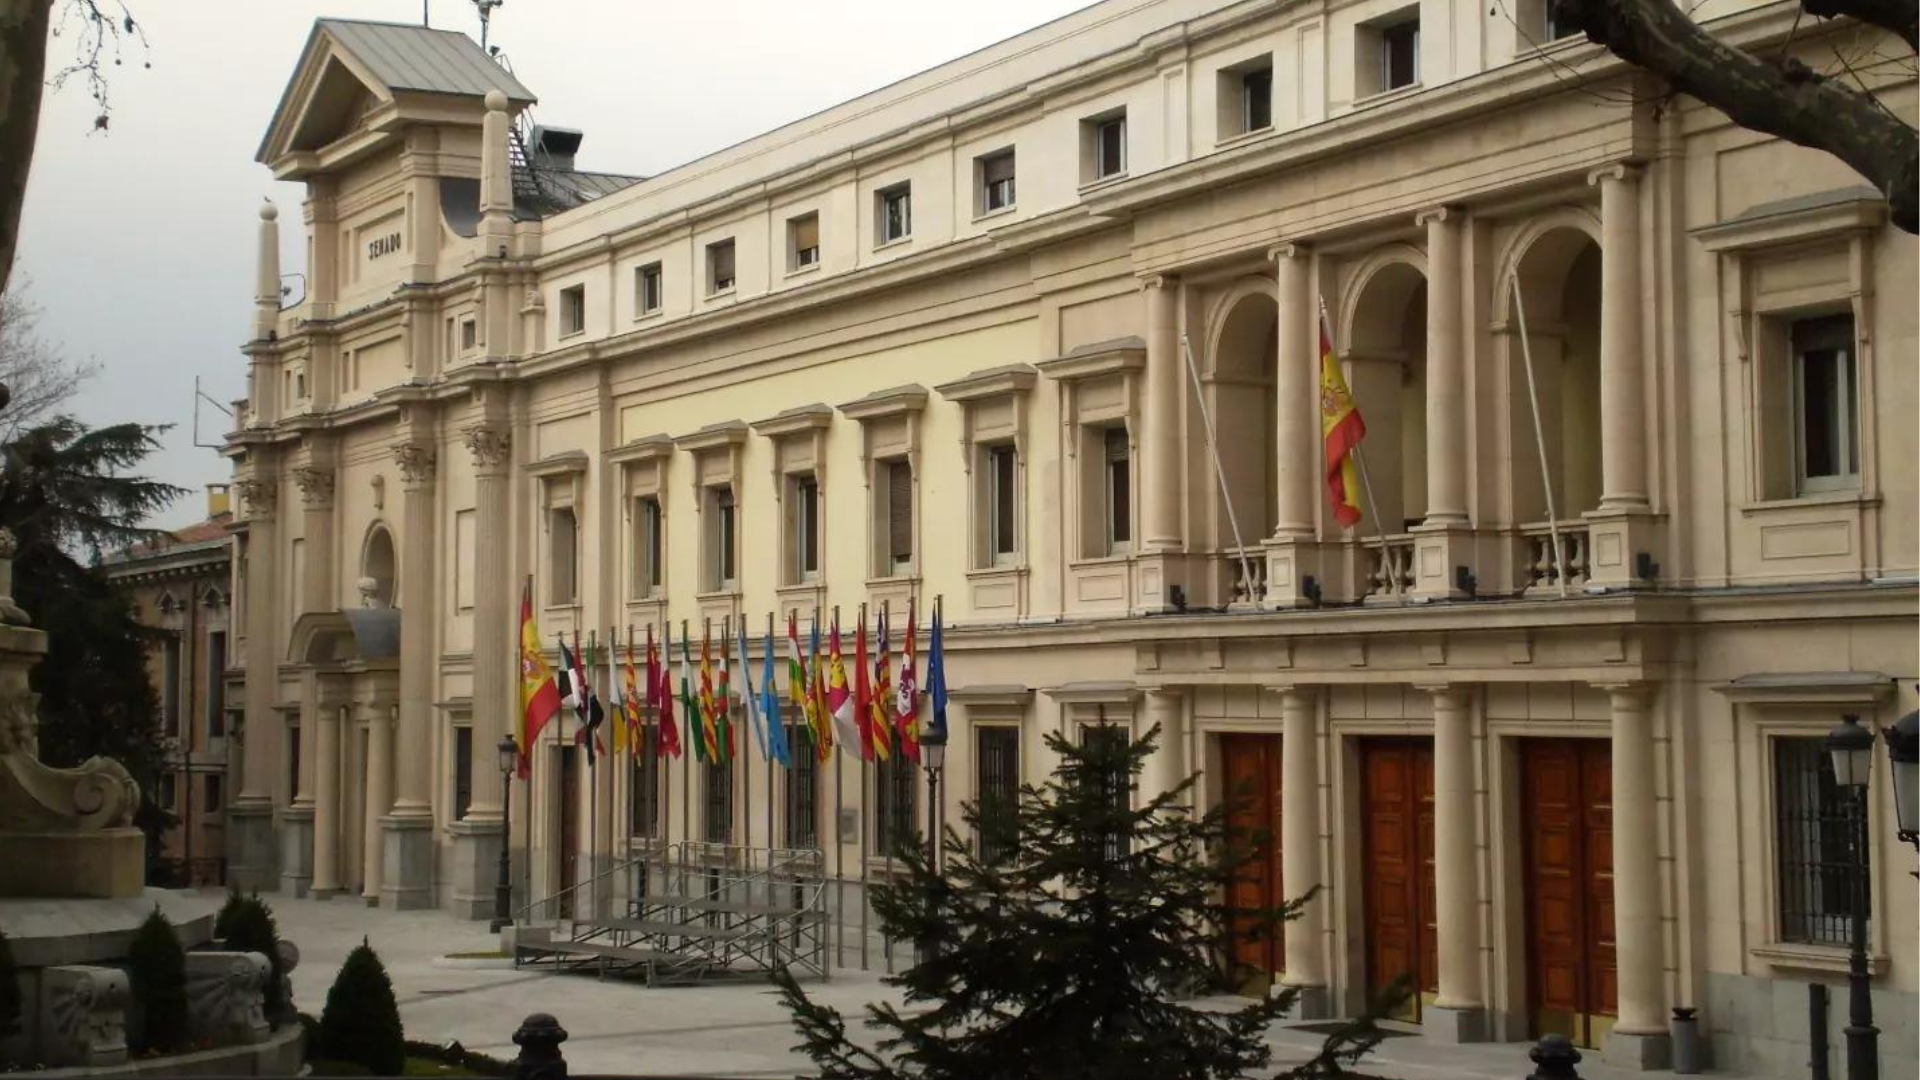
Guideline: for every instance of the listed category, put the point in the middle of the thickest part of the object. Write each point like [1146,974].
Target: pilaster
[1459,1012]
[250,817]
[407,873]
[478,837]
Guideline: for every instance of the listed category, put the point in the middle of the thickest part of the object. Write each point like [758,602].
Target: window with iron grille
[1118,784]
[998,783]
[462,771]
[803,790]
[719,804]
[1815,856]
[893,782]
[643,809]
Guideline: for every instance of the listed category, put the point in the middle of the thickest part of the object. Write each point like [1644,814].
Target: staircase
[686,913]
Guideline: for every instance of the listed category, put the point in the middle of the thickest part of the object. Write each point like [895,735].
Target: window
[462,772]
[562,556]
[803,790]
[722,536]
[215,795]
[1244,93]
[1003,477]
[1256,99]
[293,759]
[1826,405]
[803,242]
[573,309]
[1118,785]
[469,335]
[893,785]
[217,684]
[996,181]
[1104,149]
[170,684]
[896,213]
[998,787]
[646,289]
[719,803]
[804,517]
[898,517]
[1400,54]
[643,800]
[719,267]
[1812,824]
[1118,491]
[648,558]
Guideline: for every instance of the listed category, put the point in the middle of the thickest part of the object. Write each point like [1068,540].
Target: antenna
[485,8]
[200,395]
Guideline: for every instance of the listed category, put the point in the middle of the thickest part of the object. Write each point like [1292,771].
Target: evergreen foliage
[361,1022]
[1067,953]
[250,928]
[157,967]
[223,921]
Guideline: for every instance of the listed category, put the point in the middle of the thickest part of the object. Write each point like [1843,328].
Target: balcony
[1548,576]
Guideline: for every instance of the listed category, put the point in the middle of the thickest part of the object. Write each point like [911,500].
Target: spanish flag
[1341,429]
[539,696]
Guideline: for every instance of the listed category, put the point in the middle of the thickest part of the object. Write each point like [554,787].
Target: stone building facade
[967,337]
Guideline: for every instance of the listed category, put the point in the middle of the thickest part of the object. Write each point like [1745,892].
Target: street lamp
[933,752]
[1903,750]
[1851,747]
[503,888]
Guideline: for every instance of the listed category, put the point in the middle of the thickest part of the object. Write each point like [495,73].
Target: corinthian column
[1306,958]
[1640,1036]
[478,836]
[1460,1010]
[408,873]
[252,809]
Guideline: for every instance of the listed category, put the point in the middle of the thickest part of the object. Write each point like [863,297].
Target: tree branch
[1785,99]
[1900,16]
[23,73]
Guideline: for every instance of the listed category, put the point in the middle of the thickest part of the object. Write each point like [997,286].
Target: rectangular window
[899,517]
[803,790]
[469,335]
[1813,828]
[719,266]
[893,821]
[1118,491]
[896,213]
[462,771]
[719,804]
[217,684]
[803,242]
[643,805]
[573,309]
[1110,147]
[1826,404]
[1118,785]
[806,528]
[1003,473]
[170,683]
[646,289]
[216,796]
[648,533]
[300,384]
[1256,99]
[998,785]
[996,182]
[293,759]
[563,532]
[723,535]
[1400,54]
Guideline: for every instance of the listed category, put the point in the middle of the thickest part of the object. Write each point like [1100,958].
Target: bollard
[1684,1031]
[1554,1058]
[539,1040]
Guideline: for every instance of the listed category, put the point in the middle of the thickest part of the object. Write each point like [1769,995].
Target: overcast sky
[139,243]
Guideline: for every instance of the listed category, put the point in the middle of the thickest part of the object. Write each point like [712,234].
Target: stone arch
[379,567]
[1383,342]
[1242,338]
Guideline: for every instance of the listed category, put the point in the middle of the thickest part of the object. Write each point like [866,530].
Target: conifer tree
[361,1022]
[157,966]
[250,928]
[1070,950]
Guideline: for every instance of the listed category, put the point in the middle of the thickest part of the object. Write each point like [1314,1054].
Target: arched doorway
[377,569]
[1240,389]
[1386,358]
[1558,272]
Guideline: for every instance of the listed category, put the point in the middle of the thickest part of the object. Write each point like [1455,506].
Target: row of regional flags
[874,718]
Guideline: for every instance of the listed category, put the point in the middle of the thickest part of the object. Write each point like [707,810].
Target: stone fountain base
[103,865]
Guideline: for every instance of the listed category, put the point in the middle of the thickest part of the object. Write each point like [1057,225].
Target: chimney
[555,147]
[219,500]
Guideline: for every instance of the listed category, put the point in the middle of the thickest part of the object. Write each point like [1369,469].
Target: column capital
[1626,688]
[1289,249]
[1619,170]
[1306,690]
[260,496]
[1442,213]
[316,486]
[489,444]
[1444,690]
[1156,281]
[416,462]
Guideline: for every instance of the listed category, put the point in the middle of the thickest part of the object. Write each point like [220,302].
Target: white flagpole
[1359,459]
[1219,471]
[1540,439]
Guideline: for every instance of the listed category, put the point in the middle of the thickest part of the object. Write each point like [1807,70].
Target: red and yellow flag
[709,714]
[1341,429]
[539,696]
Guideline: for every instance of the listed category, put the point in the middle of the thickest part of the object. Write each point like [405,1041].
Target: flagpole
[866,804]
[1540,439]
[636,759]
[839,807]
[766,666]
[663,767]
[1359,457]
[1219,470]
[593,789]
[940,615]
[686,759]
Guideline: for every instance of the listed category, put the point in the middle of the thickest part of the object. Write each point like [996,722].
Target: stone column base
[1636,1051]
[1160,582]
[1615,540]
[252,865]
[296,850]
[105,864]
[1451,1024]
[1295,578]
[1313,1003]
[406,877]
[476,867]
[1438,553]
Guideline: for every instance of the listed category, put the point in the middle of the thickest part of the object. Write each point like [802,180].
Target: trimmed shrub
[223,922]
[250,928]
[361,1023]
[157,967]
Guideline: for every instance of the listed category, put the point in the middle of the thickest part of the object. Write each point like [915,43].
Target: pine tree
[1067,952]
[157,966]
[361,1023]
[250,928]
[223,922]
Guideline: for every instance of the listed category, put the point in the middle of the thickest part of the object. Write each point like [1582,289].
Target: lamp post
[1851,747]
[503,887]
[1903,751]
[933,752]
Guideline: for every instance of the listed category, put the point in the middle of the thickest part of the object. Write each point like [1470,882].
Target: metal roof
[423,59]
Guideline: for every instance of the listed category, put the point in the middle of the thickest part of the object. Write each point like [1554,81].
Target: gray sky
[139,243]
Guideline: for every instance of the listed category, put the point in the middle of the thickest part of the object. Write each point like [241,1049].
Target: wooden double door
[1397,890]
[1256,948]
[1567,814]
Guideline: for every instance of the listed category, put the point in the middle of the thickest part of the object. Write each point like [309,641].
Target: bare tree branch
[1784,98]
[1900,16]
[41,376]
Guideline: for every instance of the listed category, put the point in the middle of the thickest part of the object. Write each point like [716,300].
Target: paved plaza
[735,1030]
